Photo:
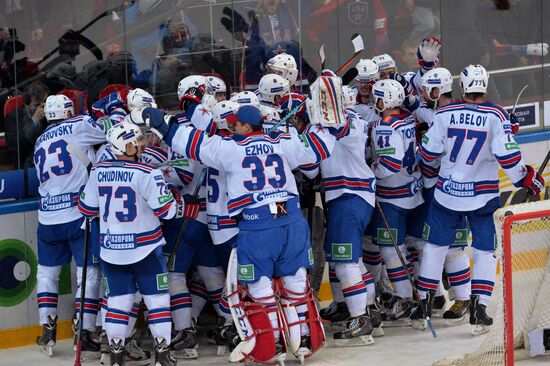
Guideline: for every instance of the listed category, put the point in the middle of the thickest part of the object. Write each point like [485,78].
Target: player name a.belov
[468,119]
[115,176]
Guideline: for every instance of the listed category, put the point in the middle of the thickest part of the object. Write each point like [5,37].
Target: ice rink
[400,346]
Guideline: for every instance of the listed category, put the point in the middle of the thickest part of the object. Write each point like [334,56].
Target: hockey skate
[185,343]
[117,352]
[376,319]
[398,314]
[223,336]
[104,348]
[48,337]
[90,346]
[305,349]
[162,353]
[438,308]
[336,313]
[134,354]
[358,332]
[456,315]
[480,321]
[422,311]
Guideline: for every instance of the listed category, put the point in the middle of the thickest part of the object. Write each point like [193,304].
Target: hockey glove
[192,206]
[514,122]
[533,181]
[115,100]
[158,121]
[192,95]
[233,21]
[178,200]
[428,53]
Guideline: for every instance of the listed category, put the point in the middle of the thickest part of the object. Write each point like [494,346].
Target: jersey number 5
[461,135]
[258,172]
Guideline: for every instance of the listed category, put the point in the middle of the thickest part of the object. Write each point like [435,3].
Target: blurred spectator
[407,59]
[425,18]
[25,124]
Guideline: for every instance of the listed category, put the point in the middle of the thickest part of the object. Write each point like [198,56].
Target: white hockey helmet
[474,79]
[222,111]
[188,82]
[367,71]
[391,93]
[215,85]
[348,95]
[271,86]
[121,134]
[246,97]
[285,65]
[139,98]
[440,78]
[384,62]
[270,114]
[58,107]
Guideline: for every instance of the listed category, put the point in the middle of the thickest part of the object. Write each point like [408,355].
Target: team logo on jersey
[245,272]
[383,237]
[341,251]
[162,281]
[416,185]
[461,236]
[358,12]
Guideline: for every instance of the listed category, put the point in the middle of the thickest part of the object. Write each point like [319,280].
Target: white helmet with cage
[474,79]
[222,110]
[246,98]
[139,98]
[189,82]
[58,107]
[285,65]
[390,92]
[271,86]
[440,78]
[367,71]
[121,134]
[349,95]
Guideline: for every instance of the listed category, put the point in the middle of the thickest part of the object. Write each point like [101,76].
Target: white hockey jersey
[220,225]
[258,167]
[129,198]
[366,112]
[60,172]
[472,140]
[425,114]
[399,180]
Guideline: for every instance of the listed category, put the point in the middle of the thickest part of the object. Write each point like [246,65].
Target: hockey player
[398,187]
[216,86]
[272,88]
[130,197]
[367,74]
[436,90]
[246,98]
[264,197]
[62,173]
[471,137]
[283,65]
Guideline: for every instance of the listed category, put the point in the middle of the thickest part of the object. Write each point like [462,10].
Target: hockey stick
[519,96]
[415,292]
[172,256]
[322,56]
[82,293]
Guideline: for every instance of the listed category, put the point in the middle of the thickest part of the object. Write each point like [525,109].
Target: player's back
[60,171]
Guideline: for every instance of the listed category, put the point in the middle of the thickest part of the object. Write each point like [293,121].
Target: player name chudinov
[468,119]
[114,176]
[55,132]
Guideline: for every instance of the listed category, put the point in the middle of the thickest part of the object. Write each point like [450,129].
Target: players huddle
[402,165]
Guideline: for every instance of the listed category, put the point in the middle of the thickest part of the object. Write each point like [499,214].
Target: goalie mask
[474,79]
[58,107]
[440,78]
[284,65]
[273,88]
[121,134]
[139,98]
[246,98]
[225,114]
[390,92]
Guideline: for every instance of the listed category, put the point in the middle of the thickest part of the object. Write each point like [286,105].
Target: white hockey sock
[91,297]
[116,320]
[298,284]
[99,319]
[159,318]
[440,289]
[214,280]
[47,291]
[483,275]
[372,258]
[431,268]
[353,287]
[368,279]
[224,305]
[415,247]
[335,285]
[396,272]
[199,297]
[261,291]
[104,309]
[457,266]
[133,314]
[180,300]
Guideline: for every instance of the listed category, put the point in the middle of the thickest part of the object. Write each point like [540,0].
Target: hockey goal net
[521,299]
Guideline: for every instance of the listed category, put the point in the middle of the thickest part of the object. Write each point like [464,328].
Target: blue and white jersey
[258,167]
[472,140]
[154,155]
[220,225]
[399,180]
[425,114]
[366,112]
[60,172]
[130,199]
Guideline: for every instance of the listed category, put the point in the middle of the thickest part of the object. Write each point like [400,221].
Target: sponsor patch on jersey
[461,236]
[179,162]
[386,151]
[106,284]
[304,140]
[425,139]
[310,256]
[166,198]
[383,237]
[384,132]
[426,232]
[341,251]
[245,272]
[162,281]
[511,146]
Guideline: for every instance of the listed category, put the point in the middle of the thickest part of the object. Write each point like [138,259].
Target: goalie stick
[409,277]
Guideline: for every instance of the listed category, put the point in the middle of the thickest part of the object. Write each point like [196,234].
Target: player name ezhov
[468,119]
[115,176]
